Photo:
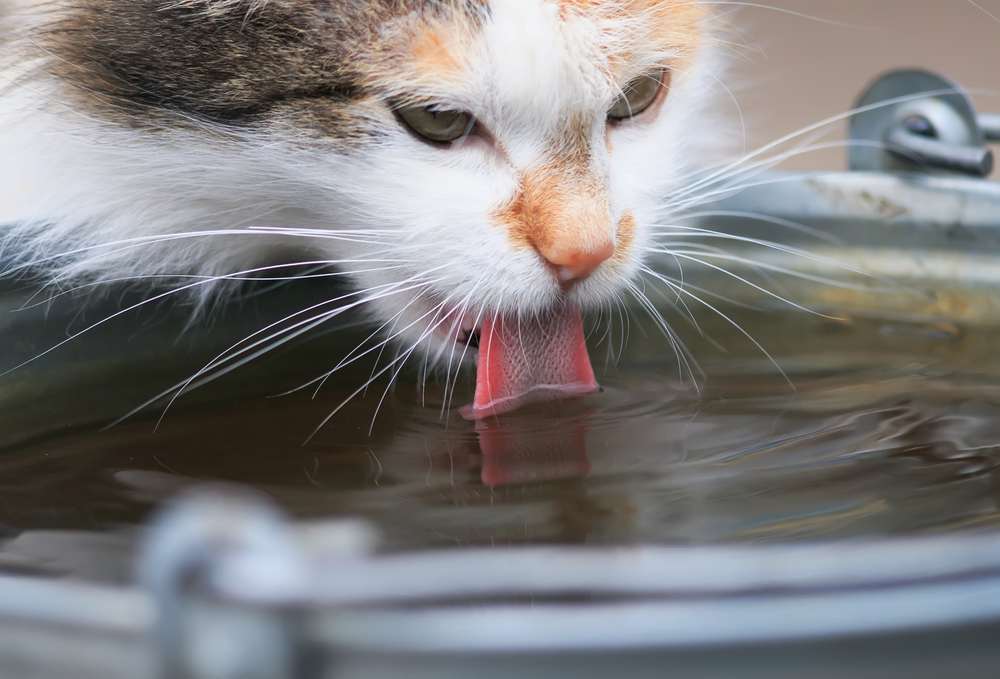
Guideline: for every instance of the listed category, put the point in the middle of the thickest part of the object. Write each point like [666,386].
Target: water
[891,428]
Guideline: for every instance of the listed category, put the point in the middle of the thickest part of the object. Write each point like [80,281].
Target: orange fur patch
[428,57]
[679,25]
[432,53]
[559,210]
[561,207]
[624,238]
[676,25]
[676,21]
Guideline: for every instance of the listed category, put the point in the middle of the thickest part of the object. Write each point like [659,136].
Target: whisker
[685,358]
[753,285]
[286,335]
[350,358]
[400,358]
[693,198]
[741,330]
[139,241]
[769,219]
[679,231]
[432,326]
[222,277]
[449,386]
[766,266]
[678,303]
[785,10]
[234,350]
[624,318]
[985,11]
[820,124]
[704,291]
[122,312]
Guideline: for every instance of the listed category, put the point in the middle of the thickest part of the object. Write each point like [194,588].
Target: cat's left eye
[436,126]
[639,95]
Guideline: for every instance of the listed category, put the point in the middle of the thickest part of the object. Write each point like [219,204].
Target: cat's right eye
[436,125]
[638,96]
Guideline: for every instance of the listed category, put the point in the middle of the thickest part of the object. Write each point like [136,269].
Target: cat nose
[573,264]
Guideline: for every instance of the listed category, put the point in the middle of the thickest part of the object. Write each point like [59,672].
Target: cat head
[455,158]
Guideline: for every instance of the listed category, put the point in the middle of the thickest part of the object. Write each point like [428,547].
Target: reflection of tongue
[522,361]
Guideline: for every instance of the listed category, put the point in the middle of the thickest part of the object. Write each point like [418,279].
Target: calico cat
[483,171]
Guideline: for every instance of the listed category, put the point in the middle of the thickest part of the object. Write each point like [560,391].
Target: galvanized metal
[899,245]
[266,606]
[916,120]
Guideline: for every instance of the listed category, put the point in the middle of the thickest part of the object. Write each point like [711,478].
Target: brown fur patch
[157,63]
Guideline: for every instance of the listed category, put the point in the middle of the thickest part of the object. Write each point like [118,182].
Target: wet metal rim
[524,600]
[690,597]
[655,625]
[654,598]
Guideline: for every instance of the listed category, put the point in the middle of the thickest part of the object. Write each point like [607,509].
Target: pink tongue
[530,360]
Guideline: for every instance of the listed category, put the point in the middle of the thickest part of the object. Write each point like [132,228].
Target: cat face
[476,157]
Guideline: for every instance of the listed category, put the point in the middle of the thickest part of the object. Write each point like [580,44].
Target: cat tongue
[529,360]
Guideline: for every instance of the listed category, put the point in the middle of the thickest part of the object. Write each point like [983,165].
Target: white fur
[71,182]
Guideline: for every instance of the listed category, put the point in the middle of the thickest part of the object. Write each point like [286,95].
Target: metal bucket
[228,588]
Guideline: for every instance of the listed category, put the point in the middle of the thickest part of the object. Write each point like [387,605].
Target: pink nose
[574,264]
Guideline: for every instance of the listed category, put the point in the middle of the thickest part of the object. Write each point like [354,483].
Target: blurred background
[795,70]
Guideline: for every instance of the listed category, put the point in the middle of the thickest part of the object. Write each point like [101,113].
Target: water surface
[882,428]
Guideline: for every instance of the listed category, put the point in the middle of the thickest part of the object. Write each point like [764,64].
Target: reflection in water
[525,455]
[885,433]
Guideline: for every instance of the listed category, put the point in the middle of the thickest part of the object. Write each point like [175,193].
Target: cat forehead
[556,49]
[236,60]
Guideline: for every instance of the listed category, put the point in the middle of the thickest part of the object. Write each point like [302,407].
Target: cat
[482,171]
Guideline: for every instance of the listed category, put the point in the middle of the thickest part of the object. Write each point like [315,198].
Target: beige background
[792,71]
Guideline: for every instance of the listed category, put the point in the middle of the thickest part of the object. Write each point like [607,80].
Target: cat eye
[434,125]
[638,95]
